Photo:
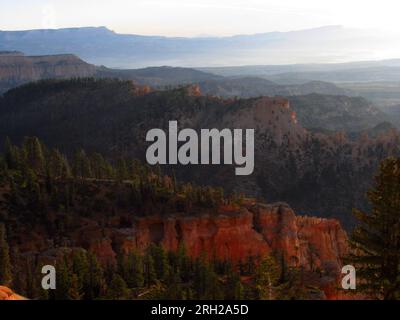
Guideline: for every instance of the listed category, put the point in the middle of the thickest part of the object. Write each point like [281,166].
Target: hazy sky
[198,17]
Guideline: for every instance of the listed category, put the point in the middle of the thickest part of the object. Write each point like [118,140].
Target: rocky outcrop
[253,230]
[231,233]
[193,90]
[8,294]
[226,236]
[304,241]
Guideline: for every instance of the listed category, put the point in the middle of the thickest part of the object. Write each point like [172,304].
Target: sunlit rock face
[8,294]
[234,234]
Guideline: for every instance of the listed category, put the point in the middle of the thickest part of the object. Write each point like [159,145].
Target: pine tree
[160,261]
[238,290]
[184,263]
[266,277]
[376,241]
[174,287]
[34,152]
[58,166]
[122,170]
[94,281]
[5,265]
[134,270]
[10,155]
[150,274]
[81,165]
[235,290]
[117,289]
[63,280]
[80,267]
[250,265]
[206,283]
[100,168]
[30,270]
[75,289]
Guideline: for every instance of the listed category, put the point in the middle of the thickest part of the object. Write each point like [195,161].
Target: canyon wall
[234,233]
[253,230]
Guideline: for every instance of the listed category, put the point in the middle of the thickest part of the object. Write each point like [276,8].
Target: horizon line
[337,26]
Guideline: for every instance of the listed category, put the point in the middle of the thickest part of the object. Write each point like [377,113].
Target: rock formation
[252,230]
[16,68]
[8,294]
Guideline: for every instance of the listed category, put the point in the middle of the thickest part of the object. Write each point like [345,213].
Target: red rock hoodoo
[254,230]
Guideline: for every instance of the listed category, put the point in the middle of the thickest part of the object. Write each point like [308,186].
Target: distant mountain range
[286,58]
[17,68]
[319,105]
[367,71]
[102,46]
[247,87]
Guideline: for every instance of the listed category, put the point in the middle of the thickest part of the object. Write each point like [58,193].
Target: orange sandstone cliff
[234,233]
[8,294]
[253,230]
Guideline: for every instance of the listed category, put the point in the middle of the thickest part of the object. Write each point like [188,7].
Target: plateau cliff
[16,68]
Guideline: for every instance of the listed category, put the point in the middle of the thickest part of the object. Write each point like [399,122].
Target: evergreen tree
[249,268]
[134,270]
[94,281]
[10,155]
[35,156]
[31,279]
[184,263]
[376,241]
[75,289]
[5,265]
[81,165]
[117,290]
[174,287]
[100,168]
[150,274]
[235,290]
[206,283]
[160,261]
[121,170]
[63,280]
[80,267]
[294,287]
[58,166]
[266,277]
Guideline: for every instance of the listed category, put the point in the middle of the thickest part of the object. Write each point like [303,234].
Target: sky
[199,17]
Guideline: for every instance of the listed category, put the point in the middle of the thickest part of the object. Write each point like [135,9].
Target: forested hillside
[78,213]
[317,173]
